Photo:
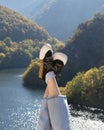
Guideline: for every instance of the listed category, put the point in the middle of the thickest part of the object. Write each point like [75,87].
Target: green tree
[8,41]
[87,88]
[22,57]
[30,76]
[3,47]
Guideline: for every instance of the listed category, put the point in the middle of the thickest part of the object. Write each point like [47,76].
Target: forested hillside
[18,27]
[21,39]
[85,48]
[86,88]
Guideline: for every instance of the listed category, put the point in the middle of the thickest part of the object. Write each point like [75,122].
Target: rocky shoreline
[87,112]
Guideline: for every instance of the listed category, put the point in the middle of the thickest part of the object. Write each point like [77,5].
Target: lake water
[19,106]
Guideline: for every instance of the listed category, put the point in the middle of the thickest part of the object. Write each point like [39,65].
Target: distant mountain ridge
[61,17]
[38,8]
[17,5]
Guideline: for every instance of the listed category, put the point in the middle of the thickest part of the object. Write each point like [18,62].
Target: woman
[54,113]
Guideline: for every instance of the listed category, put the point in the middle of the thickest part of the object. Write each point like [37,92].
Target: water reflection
[25,117]
[19,107]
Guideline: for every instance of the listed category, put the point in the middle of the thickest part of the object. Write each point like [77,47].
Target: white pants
[54,114]
[44,119]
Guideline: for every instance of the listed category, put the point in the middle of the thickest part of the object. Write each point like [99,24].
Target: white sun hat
[44,50]
[60,56]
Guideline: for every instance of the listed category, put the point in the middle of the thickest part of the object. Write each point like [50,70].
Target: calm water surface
[19,106]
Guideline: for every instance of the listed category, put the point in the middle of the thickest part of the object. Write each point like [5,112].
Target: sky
[17,5]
